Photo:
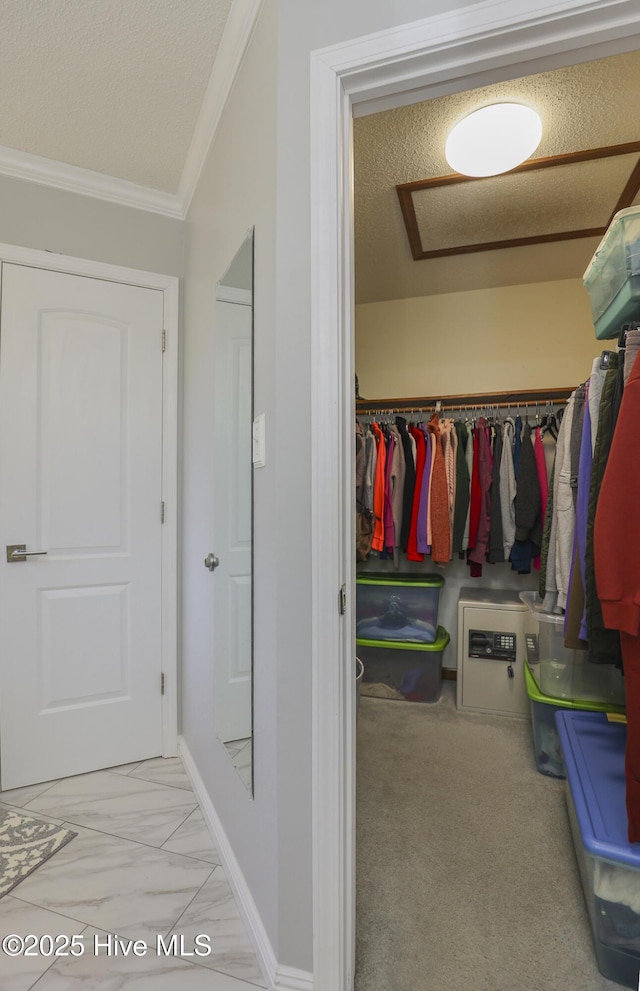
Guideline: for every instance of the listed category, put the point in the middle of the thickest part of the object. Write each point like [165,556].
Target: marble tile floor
[143,867]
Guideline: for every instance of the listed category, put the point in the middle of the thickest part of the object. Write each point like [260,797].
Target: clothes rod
[503,400]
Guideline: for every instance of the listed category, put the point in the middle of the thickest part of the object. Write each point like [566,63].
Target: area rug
[25,844]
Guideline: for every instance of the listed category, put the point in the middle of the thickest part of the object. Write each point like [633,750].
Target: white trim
[441,53]
[169,286]
[229,294]
[243,897]
[291,979]
[235,39]
[59,175]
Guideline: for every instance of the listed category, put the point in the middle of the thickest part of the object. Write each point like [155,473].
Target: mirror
[233,511]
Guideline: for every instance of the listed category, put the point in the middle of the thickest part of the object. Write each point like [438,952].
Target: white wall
[236,191]
[304,26]
[518,337]
[66,223]
[273,837]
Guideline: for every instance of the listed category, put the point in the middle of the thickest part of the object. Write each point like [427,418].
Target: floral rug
[25,844]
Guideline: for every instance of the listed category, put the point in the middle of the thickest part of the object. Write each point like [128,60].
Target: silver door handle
[211,562]
[19,552]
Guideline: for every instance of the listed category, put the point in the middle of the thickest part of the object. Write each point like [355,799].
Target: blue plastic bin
[593,751]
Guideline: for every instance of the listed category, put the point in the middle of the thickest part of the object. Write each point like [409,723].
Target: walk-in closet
[497,324]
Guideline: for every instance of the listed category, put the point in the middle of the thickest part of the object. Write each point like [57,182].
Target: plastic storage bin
[613,276]
[546,742]
[593,751]
[405,671]
[397,606]
[562,673]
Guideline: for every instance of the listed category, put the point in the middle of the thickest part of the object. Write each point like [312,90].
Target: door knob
[19,552]
[211,562]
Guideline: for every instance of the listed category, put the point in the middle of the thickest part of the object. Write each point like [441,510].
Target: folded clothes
[417,631]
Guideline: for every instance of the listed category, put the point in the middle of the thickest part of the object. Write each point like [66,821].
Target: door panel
[81,460]
[232,502]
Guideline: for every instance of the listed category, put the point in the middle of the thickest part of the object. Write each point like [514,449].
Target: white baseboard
[290,979]
[279,978]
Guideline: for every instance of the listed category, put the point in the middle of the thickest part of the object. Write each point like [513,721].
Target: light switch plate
[259,441]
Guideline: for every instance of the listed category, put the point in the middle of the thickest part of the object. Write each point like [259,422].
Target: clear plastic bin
[398,607]
[546,742]
[613,276]
[594,756]
[563,673]
[403,671]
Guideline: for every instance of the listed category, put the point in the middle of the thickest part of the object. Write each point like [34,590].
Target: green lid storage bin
[561,672]
[409,672]
[397,606]
[546,741]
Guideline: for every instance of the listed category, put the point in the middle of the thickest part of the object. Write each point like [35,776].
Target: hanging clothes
[364,516]
[409,482]
[541,468]
[476,493]
[449,441]
[604,644]
[412,546]
[468,456]
[631,348]
[574,443]
[423,545]
[461,508]
[370,457]
[616,546]
[508,487]
[477,554]
[377,542]
[575,631]
[389,535]
[564,511]
[496,539]
[440,538]
[397,495]
[549,552]
[527,507]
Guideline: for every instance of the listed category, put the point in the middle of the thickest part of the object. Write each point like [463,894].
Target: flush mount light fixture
[493,139]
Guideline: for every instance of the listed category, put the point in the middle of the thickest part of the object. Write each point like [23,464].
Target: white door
[232,513]
[80,469]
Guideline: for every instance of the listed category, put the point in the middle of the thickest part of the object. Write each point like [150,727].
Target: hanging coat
[616,556]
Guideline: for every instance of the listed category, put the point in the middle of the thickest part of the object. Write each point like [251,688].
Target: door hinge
[162,511]
[342,600]
[164,340]
[162,683]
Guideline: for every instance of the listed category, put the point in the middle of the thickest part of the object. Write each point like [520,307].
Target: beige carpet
[25,844]
[466,875]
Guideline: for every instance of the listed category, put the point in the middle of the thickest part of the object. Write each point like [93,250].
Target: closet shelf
[479,400]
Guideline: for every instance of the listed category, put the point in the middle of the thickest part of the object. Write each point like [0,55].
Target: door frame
[169,286]
[462,49]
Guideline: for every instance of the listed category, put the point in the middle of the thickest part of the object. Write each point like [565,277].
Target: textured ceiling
[582,107]
[109,85]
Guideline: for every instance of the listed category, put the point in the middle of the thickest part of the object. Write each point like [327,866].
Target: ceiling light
[493,139]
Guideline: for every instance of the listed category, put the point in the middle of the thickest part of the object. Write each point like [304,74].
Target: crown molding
[235,38]
[59,175]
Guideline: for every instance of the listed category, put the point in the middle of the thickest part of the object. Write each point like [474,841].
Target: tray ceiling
[449,226]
